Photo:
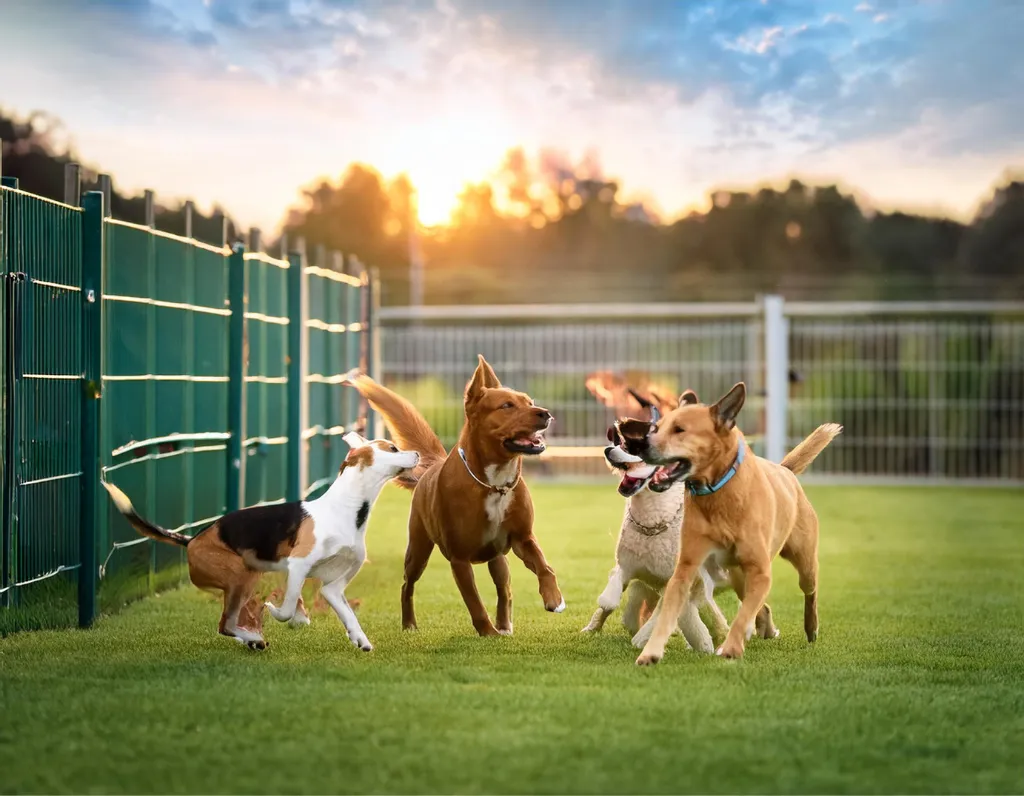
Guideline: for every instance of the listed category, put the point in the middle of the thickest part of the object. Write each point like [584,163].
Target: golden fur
[760,513]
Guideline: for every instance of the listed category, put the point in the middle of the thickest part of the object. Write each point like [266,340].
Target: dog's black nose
[543,414]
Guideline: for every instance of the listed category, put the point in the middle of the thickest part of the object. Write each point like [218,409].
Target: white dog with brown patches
[322,538]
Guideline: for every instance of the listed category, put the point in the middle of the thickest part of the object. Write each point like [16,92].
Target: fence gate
[40,265]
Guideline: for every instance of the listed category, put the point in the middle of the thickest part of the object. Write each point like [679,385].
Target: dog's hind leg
[607,601]
[462,571]
[498,567]
[801,550]
[235,598]
[334,593]
[417,554]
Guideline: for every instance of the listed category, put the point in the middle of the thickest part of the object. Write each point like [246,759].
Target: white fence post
[776,361]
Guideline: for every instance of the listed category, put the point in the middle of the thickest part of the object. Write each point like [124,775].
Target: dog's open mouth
[668,475]
[635,471]
[530,444]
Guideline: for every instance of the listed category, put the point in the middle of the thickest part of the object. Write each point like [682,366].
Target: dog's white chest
[496,503]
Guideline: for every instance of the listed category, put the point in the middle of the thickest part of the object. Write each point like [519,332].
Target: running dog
[472,504]
[648,541]
[322,538]
[739,510]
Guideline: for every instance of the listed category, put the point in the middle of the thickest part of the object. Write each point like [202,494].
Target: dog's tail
[146,528]
[409,429]
[800,458]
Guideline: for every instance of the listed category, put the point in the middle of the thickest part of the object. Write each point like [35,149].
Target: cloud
[676,95]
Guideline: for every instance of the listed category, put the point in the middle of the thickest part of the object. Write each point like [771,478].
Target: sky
[911,103]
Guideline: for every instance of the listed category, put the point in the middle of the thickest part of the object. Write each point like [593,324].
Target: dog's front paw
[299,620]
[730,649]
[648,658]
[362,642]
[258,644]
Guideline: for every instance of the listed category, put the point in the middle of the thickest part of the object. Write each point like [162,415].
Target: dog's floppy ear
[728,406]
[484,377]
[688,397]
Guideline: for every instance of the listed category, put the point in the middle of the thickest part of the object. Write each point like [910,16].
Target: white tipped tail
[146,528]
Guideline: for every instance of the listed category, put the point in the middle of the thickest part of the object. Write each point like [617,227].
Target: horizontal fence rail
[198,378]
[927,391]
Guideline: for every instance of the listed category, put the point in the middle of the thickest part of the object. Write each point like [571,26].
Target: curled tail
[409,429]
[146,528]
[800,458]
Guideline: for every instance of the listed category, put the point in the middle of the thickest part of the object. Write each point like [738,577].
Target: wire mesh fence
[927,392]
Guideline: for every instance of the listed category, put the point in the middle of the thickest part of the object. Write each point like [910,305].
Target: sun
[441,159]
[437,193]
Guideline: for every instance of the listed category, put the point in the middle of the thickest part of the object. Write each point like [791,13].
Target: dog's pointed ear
[688,397]
[724,412]
[484,378]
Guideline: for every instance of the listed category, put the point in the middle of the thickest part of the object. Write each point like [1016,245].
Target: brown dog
[740,509]
[472,503]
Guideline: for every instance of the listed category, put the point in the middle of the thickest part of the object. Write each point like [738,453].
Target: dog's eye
[394,449]
[679,430]
[507,405]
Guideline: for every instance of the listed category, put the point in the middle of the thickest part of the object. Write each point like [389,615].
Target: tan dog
[740,509]
[472,503]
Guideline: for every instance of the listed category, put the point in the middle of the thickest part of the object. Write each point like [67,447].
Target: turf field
[916,684]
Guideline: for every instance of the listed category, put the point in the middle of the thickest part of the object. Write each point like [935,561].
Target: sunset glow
[243,103]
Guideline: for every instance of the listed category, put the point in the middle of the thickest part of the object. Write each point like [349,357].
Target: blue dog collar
[705,489]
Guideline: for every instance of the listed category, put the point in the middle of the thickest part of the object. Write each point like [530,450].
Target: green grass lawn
[916,684]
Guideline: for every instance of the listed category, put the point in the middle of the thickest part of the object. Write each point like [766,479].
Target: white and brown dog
[322,538]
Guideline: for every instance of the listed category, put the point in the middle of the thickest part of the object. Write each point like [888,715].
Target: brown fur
[409,429]
[449,508]
[360,457]
[304,542]
[762,512]
[619,392]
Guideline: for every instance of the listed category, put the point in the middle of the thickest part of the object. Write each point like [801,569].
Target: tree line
[549,230]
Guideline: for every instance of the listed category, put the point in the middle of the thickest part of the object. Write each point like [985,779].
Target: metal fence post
[238,301]
[298,310]
[72,184]
[92,364]
[776,355]
[374,422]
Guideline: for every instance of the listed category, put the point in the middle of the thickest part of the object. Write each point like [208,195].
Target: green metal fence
[197,378]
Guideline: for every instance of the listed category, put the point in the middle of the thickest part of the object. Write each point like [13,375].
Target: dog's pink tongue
[536,439]
[663,472]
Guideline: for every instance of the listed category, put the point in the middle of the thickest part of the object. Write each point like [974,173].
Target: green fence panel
[41,262]
[334,346]
[115,363]
[165,387]
[266,438]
